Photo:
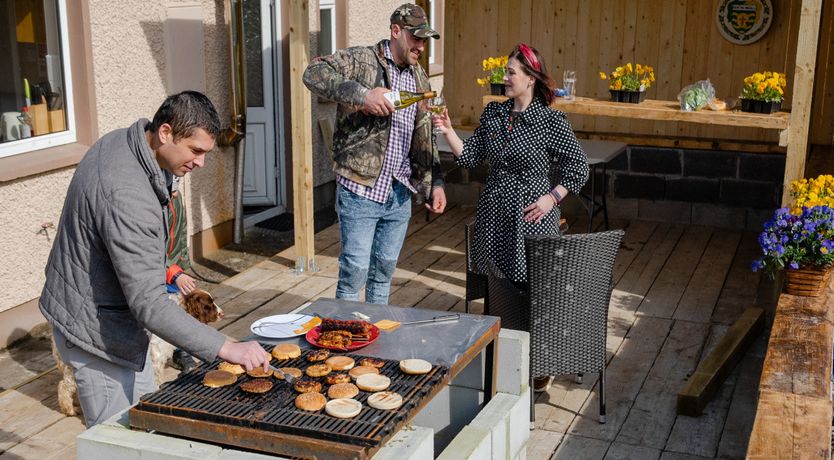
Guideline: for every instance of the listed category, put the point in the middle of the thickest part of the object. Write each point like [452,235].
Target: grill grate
[275,411]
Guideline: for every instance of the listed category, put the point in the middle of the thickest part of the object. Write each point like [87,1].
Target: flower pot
[634,97]
[496,89]
[806,281]
[756,106]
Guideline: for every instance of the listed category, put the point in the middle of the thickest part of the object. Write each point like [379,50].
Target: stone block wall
[702,187]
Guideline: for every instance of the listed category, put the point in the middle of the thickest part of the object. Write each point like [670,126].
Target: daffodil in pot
[763,92]
[495,67]
[800,244]
[629,83]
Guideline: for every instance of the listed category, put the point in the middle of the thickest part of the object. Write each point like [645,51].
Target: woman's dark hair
[185,112]
[536,69]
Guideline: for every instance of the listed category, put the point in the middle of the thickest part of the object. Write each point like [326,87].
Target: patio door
[263,179]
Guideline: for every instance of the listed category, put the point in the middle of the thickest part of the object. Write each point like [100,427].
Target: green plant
[791,241]
[497,67]
[628,78]
[764,86]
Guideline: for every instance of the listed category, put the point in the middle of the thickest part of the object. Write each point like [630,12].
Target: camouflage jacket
[360,139]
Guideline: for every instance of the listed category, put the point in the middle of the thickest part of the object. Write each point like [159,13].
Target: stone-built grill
[270,422]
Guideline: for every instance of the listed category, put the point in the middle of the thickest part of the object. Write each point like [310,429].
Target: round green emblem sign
[744,21]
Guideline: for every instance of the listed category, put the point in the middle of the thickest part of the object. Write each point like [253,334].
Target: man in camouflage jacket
[381,156]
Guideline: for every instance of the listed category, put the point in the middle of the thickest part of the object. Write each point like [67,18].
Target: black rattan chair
[476,282]
[566,306]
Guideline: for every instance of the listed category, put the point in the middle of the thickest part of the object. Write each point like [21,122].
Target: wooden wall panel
[677,37]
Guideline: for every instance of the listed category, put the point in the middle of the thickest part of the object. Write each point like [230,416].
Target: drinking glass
[437,105]
[569,82]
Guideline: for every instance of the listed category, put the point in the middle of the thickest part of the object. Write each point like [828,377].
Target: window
[436,8]
[33,34]
[327,22]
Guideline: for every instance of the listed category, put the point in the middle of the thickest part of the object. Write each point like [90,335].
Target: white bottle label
[393,97]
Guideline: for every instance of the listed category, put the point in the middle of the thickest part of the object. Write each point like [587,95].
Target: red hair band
[530,56]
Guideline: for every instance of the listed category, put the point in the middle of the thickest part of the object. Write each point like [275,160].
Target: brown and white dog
[199,304]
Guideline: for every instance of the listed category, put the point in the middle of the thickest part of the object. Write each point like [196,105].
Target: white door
[263,176]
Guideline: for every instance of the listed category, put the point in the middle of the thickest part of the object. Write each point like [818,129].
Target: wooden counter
[793,413]
[652,109]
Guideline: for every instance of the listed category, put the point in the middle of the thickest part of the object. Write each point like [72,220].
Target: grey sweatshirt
[105,277]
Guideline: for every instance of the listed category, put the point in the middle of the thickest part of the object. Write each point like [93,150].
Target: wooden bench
[793,414]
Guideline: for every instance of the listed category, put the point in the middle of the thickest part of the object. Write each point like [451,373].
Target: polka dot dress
[520,149]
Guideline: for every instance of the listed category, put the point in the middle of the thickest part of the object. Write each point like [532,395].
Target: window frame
[436,20]
[20,166]
[334,41]
[69,136]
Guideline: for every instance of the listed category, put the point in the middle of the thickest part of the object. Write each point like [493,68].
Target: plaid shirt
[395,164]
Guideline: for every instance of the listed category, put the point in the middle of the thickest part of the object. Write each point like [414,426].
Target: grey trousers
[104,388]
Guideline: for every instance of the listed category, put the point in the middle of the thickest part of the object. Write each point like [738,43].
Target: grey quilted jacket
[105,277]
[360,140]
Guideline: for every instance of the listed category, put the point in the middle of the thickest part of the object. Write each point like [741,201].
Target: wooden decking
[678,288]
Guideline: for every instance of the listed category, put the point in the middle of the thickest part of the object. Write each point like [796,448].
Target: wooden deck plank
[701,435]
[580,448]
[28,410]
[55,442]
[742,412]
[625,375]
[701,295]
[542,444]
[651,417]
[620,451]
[24,362]
[637,234]
[740,287]
[667,290]
[641,274]
[719,363]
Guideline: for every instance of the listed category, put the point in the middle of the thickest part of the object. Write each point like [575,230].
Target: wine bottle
[403,99]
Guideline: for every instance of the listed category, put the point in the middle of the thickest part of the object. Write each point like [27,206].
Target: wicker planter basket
[806,281]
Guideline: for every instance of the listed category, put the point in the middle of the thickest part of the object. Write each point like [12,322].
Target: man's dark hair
[185,112]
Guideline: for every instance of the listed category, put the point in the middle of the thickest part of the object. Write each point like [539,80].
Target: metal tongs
[289,378]
[436,319]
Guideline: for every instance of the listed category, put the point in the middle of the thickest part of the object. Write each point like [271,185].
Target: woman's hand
[442,122]
[536,211]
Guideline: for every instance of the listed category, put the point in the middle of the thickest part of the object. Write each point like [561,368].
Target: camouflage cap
[412,18]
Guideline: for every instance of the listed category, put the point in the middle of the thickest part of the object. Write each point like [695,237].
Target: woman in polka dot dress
[520,138]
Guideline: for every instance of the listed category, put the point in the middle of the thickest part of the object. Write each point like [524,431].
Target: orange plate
[313,335]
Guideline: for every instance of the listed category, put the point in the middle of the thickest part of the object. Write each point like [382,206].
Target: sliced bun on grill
[337,377]
[373,382]
[318,370]
[217,378]
[286,351]
[256,386]
[342,390]
[362,370]
[318,355]
[293,371]
[307,386]
[310,401]
[259,372]
[372,362]
[340,363]
[343,408]
[415,366]
[385,400]
[236,369]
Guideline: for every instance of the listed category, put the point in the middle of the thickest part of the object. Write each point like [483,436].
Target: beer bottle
[403,99]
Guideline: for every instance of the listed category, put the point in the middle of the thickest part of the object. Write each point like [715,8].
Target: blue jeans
[372,235]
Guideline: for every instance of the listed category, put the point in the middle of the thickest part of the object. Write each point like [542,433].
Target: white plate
[287,325]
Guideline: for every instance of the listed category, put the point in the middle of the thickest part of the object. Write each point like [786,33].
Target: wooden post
[803,91]
[302,136]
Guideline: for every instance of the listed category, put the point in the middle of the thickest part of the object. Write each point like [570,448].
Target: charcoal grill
[271,423]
